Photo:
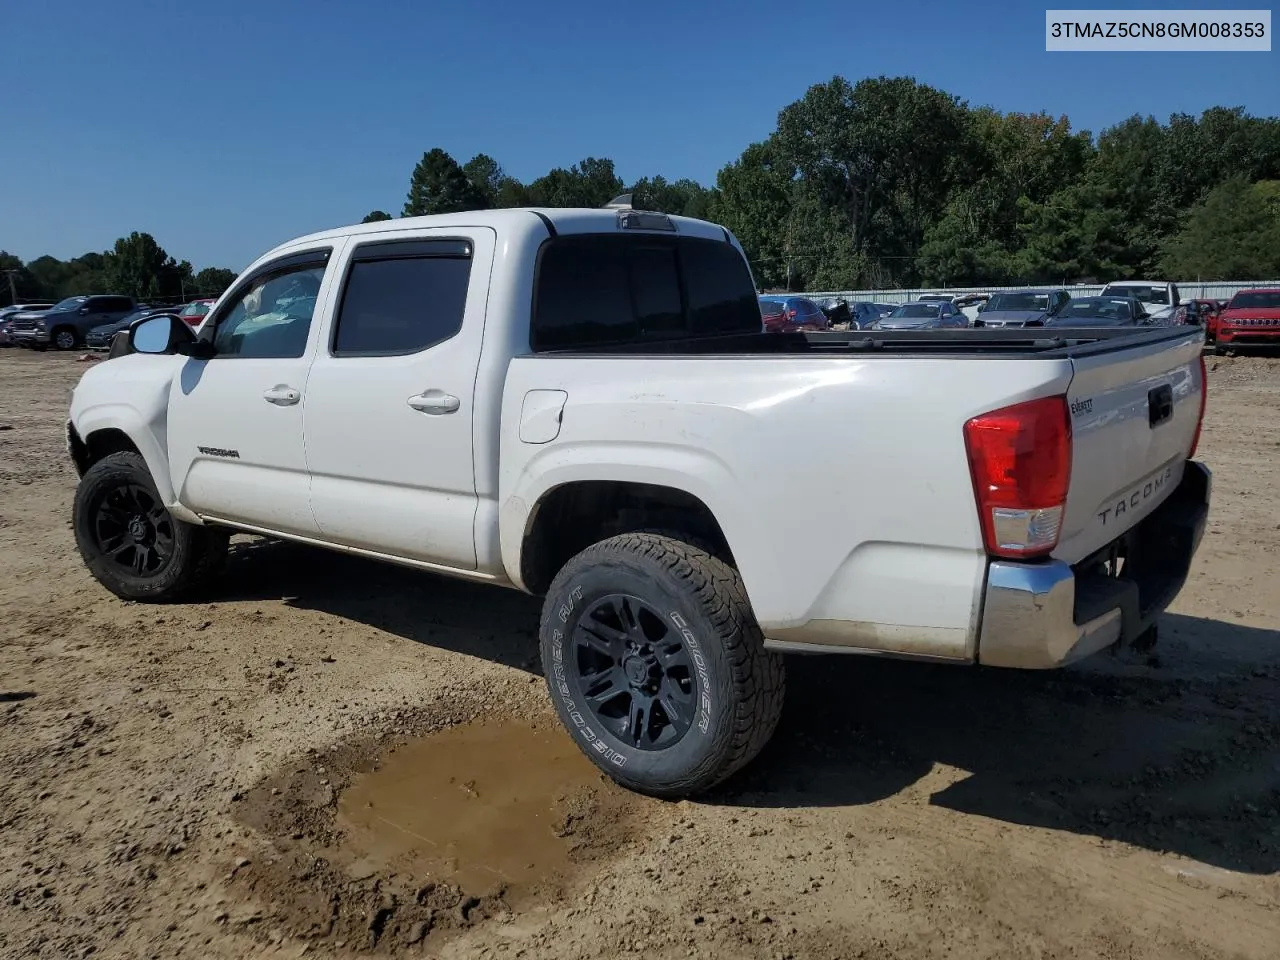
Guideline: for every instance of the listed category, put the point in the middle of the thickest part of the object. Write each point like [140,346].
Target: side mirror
[161,333]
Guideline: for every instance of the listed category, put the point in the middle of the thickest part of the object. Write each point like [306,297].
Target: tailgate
[1133,417]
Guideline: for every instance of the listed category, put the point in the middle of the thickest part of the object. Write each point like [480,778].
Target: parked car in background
[8,313]
[66,324]
[923,314]
[1100,312]
[1252,318]
[836,310]
[795,313]
[865,315]
[193,313]
[1159,297]
[971,305]
[1022,308]
[99,338]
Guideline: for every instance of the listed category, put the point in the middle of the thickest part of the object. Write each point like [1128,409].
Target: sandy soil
[200,780]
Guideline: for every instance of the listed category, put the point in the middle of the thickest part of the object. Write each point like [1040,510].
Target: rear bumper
[1037,616]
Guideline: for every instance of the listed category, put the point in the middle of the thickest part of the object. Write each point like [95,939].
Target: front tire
[656,665]
[64,339]
[131,544]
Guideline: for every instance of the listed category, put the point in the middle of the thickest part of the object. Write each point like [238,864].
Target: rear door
[390,405]
[1133,417]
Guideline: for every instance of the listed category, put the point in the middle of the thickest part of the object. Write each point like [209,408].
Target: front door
[235,421]
[390,401]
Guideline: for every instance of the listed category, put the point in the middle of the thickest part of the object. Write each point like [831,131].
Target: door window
[271,317]
[403,298]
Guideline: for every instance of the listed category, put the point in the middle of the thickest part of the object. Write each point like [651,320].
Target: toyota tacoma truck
[581,405]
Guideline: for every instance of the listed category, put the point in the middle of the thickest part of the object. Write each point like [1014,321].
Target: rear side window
[403,297]
[602,289]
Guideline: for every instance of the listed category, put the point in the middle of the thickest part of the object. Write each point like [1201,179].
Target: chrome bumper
[1037,616]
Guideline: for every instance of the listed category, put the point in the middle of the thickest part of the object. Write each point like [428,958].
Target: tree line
[886,182]
[136,265]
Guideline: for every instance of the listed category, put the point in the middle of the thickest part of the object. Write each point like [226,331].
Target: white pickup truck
[580,404]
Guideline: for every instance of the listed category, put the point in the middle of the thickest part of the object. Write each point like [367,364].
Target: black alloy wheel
[133,530]
[634,672]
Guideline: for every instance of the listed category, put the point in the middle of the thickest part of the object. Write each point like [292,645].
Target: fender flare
[127,419]
[694,472]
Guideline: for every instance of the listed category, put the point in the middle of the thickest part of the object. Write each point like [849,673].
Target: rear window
[1018,302]
[601,289]
[1258,300]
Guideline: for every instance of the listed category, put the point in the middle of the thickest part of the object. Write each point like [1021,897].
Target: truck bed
[1017,343]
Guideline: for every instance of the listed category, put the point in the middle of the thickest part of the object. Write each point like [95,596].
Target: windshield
[771,306]
[917,311]
[1257,300]
[70,303]
[1018,301]
[195,309]
[1145,294]
[1112,308]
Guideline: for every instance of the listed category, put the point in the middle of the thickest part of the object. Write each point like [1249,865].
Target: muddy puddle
[491,807]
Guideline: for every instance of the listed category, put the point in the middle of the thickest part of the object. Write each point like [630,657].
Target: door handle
[435,402]
[282,395]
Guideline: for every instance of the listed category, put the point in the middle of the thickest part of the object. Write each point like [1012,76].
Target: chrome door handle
[282,395]
[435,402]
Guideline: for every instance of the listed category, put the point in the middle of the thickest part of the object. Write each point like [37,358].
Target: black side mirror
[160,333]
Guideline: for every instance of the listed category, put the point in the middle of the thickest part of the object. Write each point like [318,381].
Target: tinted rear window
[601,289]
[402,298]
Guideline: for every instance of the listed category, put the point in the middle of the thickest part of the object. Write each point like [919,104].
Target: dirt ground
[240,778]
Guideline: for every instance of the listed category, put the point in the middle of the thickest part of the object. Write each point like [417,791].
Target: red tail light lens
[1204,398]
[1020,460]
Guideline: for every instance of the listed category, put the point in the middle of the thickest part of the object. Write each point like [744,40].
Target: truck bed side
[841,484]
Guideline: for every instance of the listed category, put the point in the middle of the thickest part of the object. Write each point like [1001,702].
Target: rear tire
[131,544]
[656,665]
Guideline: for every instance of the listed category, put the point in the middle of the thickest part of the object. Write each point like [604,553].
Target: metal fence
[1189,290]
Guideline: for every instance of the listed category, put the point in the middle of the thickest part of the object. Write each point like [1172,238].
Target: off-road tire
[740,685]
[198,553]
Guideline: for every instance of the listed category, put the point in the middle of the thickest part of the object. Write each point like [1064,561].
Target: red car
[1251,318]
[783,313]
[194,311]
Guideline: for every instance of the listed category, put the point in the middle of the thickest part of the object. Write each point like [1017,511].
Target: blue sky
[224,128]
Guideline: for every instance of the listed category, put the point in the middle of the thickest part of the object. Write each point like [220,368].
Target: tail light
[1020,460]
[1204,397]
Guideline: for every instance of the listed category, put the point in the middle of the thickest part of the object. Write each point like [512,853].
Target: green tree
[589,183]
[1234,234]
[439,185]
[512,193]
[139,266]
[211,281]
[882,151]
[686,198]
[376,216]
[485,176]
[753,199]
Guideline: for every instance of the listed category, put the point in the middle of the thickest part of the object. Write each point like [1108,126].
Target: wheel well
[99,444]
[570,518]
[64,326]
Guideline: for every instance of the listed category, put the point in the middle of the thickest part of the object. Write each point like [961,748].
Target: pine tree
[439,185]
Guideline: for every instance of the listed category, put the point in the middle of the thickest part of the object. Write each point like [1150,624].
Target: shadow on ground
[470,618]
[1181,755]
